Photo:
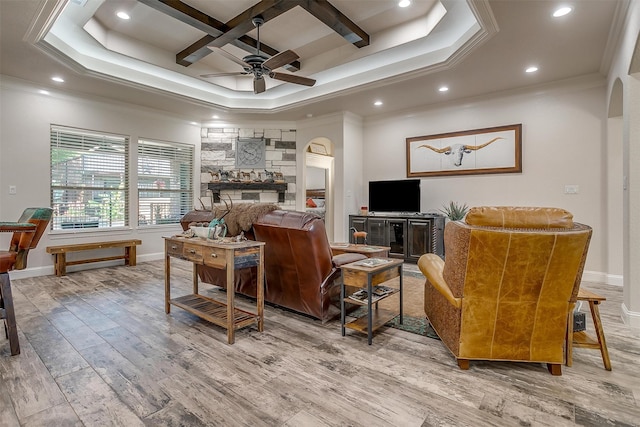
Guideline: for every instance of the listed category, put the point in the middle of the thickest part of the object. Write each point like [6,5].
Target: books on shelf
[372,262]
[377,293]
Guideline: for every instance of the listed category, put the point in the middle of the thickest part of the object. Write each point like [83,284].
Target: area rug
[414,319]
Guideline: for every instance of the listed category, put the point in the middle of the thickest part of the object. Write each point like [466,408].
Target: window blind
[165,182]
[89,179]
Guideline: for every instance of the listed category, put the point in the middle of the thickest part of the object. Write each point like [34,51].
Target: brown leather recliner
[508,284]
[301,273]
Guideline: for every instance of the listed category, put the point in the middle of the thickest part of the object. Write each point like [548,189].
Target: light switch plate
[571,189]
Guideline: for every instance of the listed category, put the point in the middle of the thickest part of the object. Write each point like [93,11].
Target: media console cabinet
[408,235]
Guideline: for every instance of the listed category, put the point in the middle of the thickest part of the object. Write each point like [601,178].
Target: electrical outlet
[12,189]
[571,189]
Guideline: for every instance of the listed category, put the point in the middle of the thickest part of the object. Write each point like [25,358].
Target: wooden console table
[224,256]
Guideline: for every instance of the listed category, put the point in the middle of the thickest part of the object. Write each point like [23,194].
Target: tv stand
[409,235]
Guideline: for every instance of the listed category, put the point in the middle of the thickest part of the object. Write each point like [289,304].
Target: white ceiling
[474,47]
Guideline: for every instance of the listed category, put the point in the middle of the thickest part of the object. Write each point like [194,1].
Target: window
[165,182]
[89,180]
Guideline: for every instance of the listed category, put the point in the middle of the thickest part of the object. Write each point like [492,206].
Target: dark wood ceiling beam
[242,23]
[336,20]
[214,28]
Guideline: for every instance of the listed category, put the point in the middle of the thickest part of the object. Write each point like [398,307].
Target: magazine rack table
[358,274]
[224,256]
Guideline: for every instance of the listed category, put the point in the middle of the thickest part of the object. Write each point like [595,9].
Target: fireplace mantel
[217,186]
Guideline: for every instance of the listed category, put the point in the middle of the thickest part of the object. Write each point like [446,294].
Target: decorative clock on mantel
[251,153]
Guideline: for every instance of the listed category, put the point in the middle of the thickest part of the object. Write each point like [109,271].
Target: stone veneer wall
[218,151]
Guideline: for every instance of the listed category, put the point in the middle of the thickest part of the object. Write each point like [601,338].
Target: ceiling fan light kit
[261,65]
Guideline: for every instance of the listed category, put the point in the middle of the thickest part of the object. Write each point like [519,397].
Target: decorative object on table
[359,235]
[477,151]
[215,229]
[215,176]
[454,211]
[251,153]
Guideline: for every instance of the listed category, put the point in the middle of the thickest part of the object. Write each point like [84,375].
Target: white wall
[24,159]
[629,42]
[563,129]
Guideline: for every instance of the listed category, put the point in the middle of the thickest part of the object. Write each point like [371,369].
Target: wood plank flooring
[98,350]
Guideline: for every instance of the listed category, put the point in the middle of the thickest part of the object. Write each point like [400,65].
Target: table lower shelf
[583,340]
[214,311]
[378,318]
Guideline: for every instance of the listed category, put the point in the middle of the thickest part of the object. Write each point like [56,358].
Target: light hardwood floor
[98,350]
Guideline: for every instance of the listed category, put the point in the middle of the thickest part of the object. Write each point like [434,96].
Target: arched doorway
[318,177]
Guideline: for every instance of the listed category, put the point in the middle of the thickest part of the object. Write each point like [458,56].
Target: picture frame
[477,151]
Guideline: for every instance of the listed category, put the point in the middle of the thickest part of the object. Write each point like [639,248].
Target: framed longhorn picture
[469,152]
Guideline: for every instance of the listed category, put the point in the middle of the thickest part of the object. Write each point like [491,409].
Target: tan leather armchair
[508,284]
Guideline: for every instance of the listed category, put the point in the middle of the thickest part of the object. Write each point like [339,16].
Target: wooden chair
[26,234]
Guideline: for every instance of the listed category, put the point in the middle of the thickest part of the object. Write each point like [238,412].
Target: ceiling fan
[261,65]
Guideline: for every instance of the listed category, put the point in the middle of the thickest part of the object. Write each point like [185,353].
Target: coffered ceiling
[357,51]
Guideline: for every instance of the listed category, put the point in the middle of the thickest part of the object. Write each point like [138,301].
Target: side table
[359,275]
[370,251]
[581,339]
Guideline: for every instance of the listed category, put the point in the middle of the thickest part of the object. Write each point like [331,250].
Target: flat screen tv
[394,196]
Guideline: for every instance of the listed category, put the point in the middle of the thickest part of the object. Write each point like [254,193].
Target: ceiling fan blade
[208,76]
[259,85]
[283,58]
[291,78]
[229,56]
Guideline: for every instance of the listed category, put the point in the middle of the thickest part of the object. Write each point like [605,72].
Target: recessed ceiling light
[193,123]
[309,115]
[404,3]
[443,89]
[531,69]
[562,11]
[377,103]
[215,116]
[57,79]
[123,15]
[44,92]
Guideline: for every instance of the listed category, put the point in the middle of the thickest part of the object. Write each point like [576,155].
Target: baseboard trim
[48,270]
[601,277]
[630,318]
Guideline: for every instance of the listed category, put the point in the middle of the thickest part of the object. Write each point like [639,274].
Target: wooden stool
[582,339]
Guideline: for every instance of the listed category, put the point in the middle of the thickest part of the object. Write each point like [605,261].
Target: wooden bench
[60,253]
